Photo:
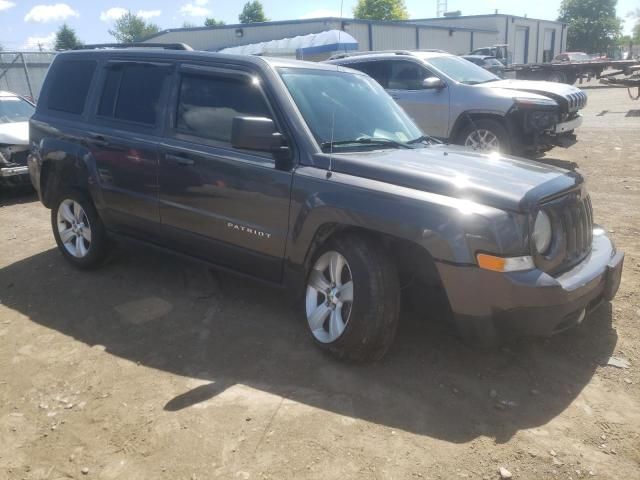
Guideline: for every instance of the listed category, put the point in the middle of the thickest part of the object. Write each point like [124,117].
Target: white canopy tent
[299,47]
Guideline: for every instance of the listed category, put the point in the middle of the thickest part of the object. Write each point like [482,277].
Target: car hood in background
[495,180]
[16,133]
[533,86]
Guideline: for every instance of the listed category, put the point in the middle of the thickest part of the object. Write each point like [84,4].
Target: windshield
[341,106]
[15,109]
[462,71]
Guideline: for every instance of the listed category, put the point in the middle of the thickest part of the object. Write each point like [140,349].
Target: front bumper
[567,126]
[14,175]
[489,307]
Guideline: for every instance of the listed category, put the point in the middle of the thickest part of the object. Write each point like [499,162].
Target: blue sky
[25,23]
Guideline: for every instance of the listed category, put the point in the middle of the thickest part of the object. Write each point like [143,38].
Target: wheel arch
[61,169]
[463,121]
[412,260]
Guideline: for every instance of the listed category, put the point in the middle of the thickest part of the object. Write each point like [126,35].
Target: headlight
[542,232]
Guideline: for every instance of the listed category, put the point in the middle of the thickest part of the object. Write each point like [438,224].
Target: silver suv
[456,101]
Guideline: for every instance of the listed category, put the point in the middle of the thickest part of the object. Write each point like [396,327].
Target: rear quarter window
[132,92]
[70,82]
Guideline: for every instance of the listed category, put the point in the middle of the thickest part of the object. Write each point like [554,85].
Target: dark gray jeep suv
[311,177]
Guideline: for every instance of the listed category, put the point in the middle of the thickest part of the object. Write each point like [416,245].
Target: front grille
[577,224]
[572,219]
[577,101]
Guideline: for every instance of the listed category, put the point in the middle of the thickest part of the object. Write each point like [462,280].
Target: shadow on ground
[182,318]
[15,195]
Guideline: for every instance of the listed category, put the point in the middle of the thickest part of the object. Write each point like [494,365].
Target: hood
[560,92]
[534,86]
[16,133]
[495,180]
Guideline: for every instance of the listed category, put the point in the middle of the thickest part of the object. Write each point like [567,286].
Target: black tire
[571,78]
[556,77]
[373,319]
[98,247]
[493,126]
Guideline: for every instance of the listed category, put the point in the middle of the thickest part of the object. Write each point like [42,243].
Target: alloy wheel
[74,228]
[329,298]
[482,140]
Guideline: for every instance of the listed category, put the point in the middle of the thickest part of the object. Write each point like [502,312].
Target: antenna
[441,7]
[333,113]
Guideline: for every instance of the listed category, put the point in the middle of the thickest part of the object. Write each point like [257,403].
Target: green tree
[381,10]
[252,12]
[593,25]
[635,33]
[132,28]
[66,38]
[188,25]
[212,22]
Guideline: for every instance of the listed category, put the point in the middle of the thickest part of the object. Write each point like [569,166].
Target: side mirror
[259,133]
[431,83]
[255,133]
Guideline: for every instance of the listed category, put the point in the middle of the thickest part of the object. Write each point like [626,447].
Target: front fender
[450,229]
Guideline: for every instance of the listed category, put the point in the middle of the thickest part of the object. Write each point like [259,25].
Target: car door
[223,204]
[429,108]
[123,137]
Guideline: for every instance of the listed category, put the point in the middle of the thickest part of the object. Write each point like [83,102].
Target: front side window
[70,84]
[131,92]
[406,76]
[208,105]
[461,71]
[15,109]
[340,107]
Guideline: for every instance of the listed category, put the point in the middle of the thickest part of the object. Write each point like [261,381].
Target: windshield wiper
[365,141]
[424,138]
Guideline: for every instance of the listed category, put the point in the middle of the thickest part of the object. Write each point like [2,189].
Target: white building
[528,39]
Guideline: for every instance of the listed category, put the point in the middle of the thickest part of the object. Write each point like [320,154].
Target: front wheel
[78,230]
[485,136]
[352,299]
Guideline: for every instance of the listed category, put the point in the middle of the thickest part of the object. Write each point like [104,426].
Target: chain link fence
[23,72]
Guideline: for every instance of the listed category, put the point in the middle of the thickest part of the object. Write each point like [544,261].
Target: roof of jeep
[200,55]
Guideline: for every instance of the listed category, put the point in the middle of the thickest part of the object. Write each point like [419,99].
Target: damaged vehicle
[15,112]
[459,102]
[309,176]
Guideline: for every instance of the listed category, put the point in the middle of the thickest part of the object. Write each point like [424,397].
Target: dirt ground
[153,368]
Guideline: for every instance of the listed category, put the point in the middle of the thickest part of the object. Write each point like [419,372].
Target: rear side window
[208,104]
[378,70]
[131,92]
[71,80]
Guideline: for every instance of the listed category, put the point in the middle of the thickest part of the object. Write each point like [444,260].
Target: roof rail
[372,52]
[165,46]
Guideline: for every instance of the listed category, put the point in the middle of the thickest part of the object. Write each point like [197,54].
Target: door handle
[99,140]
[179,159]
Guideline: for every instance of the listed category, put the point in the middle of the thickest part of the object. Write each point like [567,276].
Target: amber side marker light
[504,264]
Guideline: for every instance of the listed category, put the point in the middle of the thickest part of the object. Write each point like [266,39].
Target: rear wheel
[78,230]
[352,299]
[485,136]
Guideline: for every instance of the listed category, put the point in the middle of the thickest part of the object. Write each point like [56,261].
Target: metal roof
[347,21]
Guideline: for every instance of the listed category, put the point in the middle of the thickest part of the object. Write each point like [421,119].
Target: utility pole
[441,7]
